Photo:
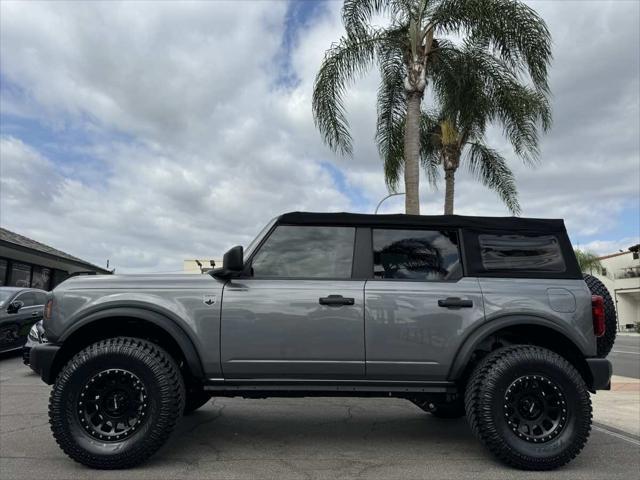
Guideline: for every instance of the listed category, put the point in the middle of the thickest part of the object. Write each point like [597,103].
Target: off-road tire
[485,401]
[605,342]
[195,398]
[159,375]
[450,410]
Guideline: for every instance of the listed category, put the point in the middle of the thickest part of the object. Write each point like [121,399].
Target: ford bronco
[485,317]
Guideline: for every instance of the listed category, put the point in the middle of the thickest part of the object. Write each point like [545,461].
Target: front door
[299,314]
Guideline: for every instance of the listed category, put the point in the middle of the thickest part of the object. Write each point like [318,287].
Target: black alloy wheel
[529,406]
[113,405]
[535,408]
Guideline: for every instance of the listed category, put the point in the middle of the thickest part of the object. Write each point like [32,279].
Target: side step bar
[316,387]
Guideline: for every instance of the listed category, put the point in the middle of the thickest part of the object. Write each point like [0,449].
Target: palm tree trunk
[449,190]
[412,154]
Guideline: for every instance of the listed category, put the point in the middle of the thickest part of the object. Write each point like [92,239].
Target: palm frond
[344,62]
[476,88]
[588,261]
[356,14]
[510,28]
[490,168]
[391,110]
[430,147]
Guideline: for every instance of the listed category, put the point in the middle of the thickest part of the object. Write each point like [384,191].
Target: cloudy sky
[147,133]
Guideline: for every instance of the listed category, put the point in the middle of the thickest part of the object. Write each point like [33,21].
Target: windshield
[4,296]
[254,243]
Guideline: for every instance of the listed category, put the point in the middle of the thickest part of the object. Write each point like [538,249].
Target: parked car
[20,308]
[36,336]
[488,317]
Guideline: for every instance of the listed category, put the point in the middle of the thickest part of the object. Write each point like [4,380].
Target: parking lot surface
[312,438]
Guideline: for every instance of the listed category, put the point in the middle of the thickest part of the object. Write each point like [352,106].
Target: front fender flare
[158,319]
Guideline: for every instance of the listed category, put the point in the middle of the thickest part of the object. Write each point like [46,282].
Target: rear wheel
[116,402]
[605,342]
[529,406]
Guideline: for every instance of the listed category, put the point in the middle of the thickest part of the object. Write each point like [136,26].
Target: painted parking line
[622,351]
[621,436]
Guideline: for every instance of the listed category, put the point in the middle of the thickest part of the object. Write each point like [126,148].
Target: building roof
[25,242]
[451,221]
[631,249]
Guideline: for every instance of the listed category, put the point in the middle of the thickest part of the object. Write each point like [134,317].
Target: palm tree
[588,261]
[407,53]
[476,90]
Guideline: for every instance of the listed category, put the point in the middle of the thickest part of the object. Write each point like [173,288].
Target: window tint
[41,298]
[28,298]
[428,255]
[306,252]
[521,252]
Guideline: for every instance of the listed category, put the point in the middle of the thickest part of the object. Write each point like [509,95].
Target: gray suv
[484,317]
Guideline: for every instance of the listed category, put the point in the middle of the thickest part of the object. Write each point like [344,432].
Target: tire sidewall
[153,367]
[81,376]
[578,412]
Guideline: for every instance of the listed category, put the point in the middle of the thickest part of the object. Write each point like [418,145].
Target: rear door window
[541,253]
[427,255]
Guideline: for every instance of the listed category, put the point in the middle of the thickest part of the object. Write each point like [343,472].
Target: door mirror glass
[15,306]
[233,260]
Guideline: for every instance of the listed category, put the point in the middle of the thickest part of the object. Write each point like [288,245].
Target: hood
[137,281]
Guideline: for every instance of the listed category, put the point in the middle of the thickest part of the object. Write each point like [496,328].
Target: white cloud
[191,144]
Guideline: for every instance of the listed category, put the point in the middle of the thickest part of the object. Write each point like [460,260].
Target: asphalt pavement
[310,438]
[625,356]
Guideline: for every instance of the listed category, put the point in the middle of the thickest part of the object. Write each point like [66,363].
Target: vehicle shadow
[316,428]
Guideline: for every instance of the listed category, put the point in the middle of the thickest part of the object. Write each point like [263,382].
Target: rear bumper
[601,370]
[41,358]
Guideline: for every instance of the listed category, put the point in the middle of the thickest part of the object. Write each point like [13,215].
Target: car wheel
[529,406]
[454,409]
[605,342]
[116,402]
[195,398]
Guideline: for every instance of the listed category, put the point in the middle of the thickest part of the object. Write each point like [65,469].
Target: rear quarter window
[518,252]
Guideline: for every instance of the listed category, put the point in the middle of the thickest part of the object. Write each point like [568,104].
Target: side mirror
[15,306]
[233,260]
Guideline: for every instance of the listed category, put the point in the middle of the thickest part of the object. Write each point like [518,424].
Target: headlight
[34,334]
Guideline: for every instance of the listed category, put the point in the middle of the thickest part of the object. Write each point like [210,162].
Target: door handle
[336,300]
[454,302]
[35,314]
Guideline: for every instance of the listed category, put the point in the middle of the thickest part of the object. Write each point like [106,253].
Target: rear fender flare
[489,328]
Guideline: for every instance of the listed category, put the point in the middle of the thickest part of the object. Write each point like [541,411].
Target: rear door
[418,304]
[300,314]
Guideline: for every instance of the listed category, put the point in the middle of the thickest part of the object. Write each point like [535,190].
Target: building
[621,276]
[27,263]
[200,265]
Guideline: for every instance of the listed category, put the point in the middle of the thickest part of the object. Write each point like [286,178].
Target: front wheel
[529,406]
[116,402]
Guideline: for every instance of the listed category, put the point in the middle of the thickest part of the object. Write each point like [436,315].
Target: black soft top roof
[539,225]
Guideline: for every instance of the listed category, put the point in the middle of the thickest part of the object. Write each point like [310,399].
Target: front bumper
[41,360]
[600,369]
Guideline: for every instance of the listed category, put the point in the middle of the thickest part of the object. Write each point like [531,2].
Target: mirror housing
[232,263]
[15,306]
[233,260]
